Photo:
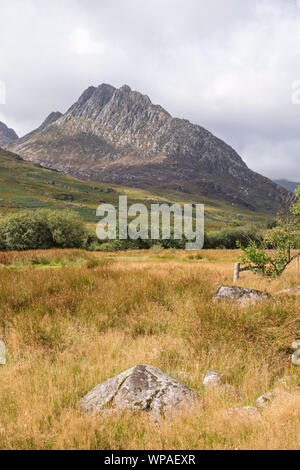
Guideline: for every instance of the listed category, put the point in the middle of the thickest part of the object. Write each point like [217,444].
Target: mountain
[289,185]
[7,135]
[119,136]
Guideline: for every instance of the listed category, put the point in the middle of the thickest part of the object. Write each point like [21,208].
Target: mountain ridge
[288,185]
[7,135]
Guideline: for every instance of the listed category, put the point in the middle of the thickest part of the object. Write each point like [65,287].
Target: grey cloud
[227,65]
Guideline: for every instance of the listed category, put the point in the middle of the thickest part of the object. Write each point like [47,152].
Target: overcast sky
[228,65]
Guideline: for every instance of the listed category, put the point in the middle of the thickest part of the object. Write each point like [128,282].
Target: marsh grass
[68,329]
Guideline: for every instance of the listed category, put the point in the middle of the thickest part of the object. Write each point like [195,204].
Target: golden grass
[68,329]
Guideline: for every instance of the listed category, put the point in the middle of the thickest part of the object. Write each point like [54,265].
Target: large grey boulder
[141,388]
[241,295]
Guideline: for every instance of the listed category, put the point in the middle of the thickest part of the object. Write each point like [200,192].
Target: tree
[41,229]
[274,253]
[27,230]
[67,229]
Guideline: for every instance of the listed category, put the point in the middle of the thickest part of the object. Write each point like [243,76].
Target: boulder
[263,400]
[295,345]
[211,379]
[241,295]
[141,388]
[296,358]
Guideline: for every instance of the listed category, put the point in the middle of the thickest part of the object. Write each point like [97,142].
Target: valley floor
[72,319]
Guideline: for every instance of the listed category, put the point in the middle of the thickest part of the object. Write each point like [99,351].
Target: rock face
[7,135]
[119,136]
[240,294]
[142,388]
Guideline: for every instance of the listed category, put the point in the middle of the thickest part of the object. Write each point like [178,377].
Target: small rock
[240,294]
[263,400]
[295,358]
[211,379]
[2,353]
[296,345]
[141,388]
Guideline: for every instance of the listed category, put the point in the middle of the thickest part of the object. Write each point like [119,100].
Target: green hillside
[26,185]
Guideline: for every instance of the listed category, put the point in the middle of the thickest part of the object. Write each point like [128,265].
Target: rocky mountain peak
[92,101]
[51,118]
[117,135]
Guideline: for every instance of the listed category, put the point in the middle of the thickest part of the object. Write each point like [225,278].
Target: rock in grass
[296,345]
[211,379]
[241,295]
[141,388]
[296,358]
[2,353]
[263,400]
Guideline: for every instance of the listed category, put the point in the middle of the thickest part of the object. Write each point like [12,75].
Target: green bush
[42,229]
[67,230]
[228,238]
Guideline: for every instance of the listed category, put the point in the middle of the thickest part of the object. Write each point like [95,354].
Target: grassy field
[72,319]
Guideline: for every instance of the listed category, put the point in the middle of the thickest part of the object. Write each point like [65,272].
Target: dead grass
[68,329]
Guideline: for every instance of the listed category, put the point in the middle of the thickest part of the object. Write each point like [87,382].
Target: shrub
[281,239]
[228,238]
[67,230]
[26,231]
[42,229]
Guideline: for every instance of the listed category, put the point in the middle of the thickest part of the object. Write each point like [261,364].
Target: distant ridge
[7,135]
[289,185]
[119,136]
[49,120]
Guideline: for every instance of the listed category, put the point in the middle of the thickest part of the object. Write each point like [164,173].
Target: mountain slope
[7,135]
[25,185]
[118,136]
